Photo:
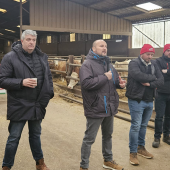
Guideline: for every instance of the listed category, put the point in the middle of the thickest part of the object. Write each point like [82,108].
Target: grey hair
[28,32]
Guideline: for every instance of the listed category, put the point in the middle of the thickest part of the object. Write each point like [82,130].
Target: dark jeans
[162,119]
[140,115]
[92,128]
[15,130]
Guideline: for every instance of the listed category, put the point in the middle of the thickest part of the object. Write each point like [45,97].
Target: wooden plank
[85,17]
[32,13]
[77,16]
[58,17]
[92,19]
[109,22]
[98,20]
[74,16]
[95,20]
[45,13]
[62,11]
[81,20]
[49,14]
[53,14]
[37,18]
[88,19]
[102,22]
[70,13]
[105,22]
[118,25]
[41,13]
[66,24]
[112,23]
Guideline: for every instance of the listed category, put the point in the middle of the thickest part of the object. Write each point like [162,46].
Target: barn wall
[83,47]
[155,31]
[66,16]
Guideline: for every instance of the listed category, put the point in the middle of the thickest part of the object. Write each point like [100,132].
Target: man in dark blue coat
[26,76]
[99,81]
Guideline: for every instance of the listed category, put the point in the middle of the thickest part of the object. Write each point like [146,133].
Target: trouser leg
[92,127]
[107,130]
[15,130]
[34,138]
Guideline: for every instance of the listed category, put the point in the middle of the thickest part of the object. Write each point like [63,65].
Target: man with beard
[27,98]
[99,81]
[143,77]
[162,101]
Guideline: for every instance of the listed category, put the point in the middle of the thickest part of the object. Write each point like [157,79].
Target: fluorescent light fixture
[3,10]
[118,40]
[149,6]
[18,26]
[23,1]
[1,34]
[10,30]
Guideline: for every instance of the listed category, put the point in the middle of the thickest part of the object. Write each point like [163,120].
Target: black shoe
[166,139]
[156,143]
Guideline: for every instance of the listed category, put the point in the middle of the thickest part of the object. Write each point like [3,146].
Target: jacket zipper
[105,104]
[112,76]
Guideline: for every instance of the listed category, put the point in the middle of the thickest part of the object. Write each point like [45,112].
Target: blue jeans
[162,119]
[15,130]
[140,115]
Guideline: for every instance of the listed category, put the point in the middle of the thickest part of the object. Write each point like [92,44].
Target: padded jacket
[100,98]
[23,102]
[137,75]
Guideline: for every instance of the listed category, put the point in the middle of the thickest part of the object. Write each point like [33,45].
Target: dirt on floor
[62,133]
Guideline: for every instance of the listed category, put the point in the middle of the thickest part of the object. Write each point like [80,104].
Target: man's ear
[93,48]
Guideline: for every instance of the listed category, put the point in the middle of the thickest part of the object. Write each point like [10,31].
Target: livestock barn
[66,30]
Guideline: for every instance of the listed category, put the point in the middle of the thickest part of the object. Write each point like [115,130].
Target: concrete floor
[62,133]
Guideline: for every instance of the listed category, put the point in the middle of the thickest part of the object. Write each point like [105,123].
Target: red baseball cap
[166,47]
[147,48]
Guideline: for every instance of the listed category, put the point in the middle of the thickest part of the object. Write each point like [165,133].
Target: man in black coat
[143,77]
[162,101]
[26,76]
[99,81]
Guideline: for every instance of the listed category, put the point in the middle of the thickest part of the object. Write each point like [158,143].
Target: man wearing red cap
[143,77]
[162,101]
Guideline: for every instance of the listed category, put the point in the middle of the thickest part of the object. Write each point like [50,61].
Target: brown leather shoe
[83,169]
[5,168]
[40,165]
[112,165]
[133,159]
[143,152]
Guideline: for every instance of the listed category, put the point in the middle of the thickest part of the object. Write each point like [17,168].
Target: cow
[61,66]
[124,65]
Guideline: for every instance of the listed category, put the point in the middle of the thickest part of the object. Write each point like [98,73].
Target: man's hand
[164,71]
[29,83]
[108,75]
[145,84]
[122,83]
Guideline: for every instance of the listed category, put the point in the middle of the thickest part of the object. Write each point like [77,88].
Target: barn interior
[68,27]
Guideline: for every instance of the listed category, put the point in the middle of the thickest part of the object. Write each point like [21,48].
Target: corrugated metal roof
[127,8]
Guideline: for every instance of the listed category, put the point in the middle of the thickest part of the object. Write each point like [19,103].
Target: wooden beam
[24,27]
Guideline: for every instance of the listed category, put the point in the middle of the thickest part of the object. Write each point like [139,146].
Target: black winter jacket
[137,75]
[164,63]
[100,98]
[22,103]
